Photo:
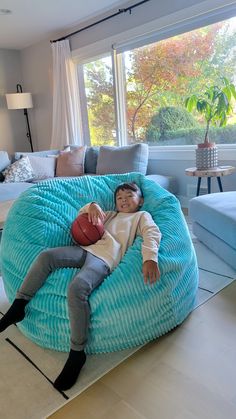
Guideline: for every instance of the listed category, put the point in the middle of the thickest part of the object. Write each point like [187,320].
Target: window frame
[168,26]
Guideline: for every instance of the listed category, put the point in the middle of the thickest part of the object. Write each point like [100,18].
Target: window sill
[225,152]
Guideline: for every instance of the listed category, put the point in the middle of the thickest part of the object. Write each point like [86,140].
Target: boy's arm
[151,271]
[150,246]
[95,212]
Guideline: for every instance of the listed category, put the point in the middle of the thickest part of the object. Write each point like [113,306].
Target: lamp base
[28,130]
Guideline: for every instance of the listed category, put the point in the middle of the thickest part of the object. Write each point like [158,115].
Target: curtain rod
[120,11]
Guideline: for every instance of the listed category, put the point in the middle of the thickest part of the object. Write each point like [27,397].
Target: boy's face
[128,201]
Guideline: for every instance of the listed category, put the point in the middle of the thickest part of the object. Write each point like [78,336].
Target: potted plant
[215,104]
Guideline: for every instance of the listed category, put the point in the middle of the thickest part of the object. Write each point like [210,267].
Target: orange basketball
[84,232]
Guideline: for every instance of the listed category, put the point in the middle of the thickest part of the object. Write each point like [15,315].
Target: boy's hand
[151,272]
[95,213]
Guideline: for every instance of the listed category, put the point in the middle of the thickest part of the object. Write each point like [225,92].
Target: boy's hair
[130,186]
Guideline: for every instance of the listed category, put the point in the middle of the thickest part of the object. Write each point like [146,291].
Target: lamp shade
[19,100]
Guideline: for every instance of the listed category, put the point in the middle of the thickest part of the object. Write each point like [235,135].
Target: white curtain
[66,127]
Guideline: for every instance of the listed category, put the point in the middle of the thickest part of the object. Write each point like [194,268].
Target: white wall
[145,13]
[12,122]
[37,73]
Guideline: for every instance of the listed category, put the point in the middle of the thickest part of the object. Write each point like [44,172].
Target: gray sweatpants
[92,273]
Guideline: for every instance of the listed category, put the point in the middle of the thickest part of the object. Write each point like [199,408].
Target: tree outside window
[159,78]
[100,101]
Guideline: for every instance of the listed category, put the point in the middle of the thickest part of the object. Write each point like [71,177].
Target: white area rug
[27,370]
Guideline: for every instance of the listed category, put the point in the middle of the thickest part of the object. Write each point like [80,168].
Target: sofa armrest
[4,160]
[166,182]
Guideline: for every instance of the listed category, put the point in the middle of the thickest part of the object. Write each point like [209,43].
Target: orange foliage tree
[162,73]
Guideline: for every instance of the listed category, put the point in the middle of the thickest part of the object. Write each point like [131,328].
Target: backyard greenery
[169,119]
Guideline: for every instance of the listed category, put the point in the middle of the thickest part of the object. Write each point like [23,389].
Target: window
[153,82]
[160,76]
[99,95]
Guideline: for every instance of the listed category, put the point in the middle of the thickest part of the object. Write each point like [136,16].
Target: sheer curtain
[66,126]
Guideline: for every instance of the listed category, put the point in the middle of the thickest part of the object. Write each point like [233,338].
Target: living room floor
[189,373]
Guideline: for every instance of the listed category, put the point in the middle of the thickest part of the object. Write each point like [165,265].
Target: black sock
[67,378]
[15,314]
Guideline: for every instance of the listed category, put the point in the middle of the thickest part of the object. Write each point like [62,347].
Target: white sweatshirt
[120,231]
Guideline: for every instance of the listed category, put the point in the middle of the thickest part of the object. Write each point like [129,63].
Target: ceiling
[32,21]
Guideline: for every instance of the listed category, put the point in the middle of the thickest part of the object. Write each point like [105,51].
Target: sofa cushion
[71,163]
[4,160]
[91,158]
[9,191]
[44,153]
[43,167]
[166,182]
[20,171]
[132,158]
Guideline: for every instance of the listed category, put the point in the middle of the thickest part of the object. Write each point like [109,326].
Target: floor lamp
[24,101]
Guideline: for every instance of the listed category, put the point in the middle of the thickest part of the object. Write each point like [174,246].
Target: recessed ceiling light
[5,12]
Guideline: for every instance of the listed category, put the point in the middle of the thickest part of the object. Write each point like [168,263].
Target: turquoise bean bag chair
[124,311]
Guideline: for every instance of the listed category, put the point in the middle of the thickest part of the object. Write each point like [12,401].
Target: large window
[155,81]
[159,78]
[99,92]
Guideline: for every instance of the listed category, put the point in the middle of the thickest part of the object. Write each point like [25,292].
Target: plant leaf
[233,90]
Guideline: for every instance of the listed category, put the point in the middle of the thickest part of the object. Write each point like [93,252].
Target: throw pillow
[43,167]
[20,171]
[71,163]
[132,158]
[91,157]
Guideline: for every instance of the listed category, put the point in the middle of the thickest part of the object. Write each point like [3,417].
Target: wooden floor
[188,374]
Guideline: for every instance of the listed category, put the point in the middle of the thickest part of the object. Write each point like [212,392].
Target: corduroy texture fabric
[124,311]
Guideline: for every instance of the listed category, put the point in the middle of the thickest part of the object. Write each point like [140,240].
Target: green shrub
[169,118]
[191,136]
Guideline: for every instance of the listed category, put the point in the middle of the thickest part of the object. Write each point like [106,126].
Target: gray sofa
[110,160]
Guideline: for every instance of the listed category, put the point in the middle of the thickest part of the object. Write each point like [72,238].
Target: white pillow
[20,171]
[43,167]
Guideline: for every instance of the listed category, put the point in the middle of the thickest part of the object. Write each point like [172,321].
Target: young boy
[95,262]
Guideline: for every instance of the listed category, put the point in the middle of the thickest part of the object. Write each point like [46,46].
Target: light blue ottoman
[214,223]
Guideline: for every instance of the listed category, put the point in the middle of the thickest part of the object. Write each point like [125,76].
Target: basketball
[84,232]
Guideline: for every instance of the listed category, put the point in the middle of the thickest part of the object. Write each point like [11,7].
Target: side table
[217,172]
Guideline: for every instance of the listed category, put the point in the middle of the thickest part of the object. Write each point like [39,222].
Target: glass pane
[161,76]
[99,92]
